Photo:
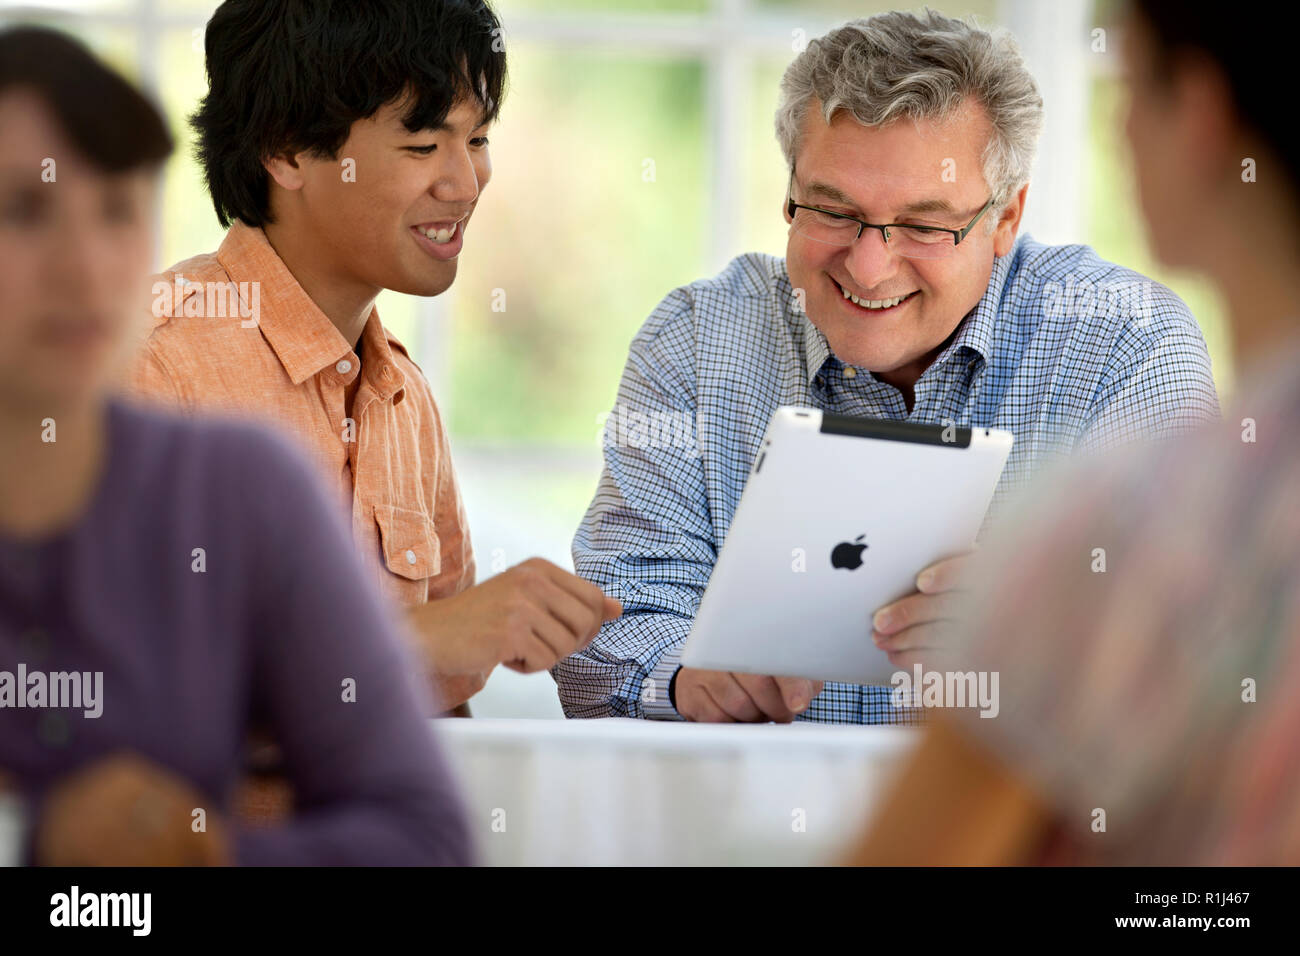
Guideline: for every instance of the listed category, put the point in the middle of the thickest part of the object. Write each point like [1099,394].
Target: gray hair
[903,65]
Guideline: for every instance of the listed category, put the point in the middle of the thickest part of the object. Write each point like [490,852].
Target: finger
[766,694]
[704,709]
[586,592]
[575,616]
[534,655]
[915,609]
[731,696]
[798,692]
[552,633]
[907,660]
[943,575]
[922,637]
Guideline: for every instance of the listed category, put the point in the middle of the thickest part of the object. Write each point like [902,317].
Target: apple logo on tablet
[848,554]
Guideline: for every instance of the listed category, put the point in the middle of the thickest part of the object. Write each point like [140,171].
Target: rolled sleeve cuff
[657,705]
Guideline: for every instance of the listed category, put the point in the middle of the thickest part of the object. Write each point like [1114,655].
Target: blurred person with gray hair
[905,294]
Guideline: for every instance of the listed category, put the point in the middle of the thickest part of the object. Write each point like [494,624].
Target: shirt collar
[975,333]
[816,350]
[381,370]
[300,334]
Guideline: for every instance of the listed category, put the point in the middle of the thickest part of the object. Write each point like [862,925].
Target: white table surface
[622,791]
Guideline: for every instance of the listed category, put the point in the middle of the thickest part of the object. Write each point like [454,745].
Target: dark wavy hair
[1253,53]
[294,75]
[109,122]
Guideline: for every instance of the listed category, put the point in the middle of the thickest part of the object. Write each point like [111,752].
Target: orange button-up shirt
[233,332]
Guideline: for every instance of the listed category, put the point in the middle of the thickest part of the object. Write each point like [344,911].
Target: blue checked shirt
[1066,351]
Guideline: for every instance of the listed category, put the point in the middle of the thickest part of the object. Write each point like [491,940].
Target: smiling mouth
[439,233]
[876,305]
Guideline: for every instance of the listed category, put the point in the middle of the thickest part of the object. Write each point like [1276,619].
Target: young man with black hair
[346,147]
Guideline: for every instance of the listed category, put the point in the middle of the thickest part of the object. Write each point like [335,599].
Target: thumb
[612,609]
[797,692]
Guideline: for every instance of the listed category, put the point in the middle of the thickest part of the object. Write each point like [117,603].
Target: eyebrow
[830,192]
[484,119]
[929,205]
[920,206]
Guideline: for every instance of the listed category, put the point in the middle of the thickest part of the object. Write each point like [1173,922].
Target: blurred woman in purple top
[168,586]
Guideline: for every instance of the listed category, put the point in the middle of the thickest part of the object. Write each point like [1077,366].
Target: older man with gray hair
[904,294]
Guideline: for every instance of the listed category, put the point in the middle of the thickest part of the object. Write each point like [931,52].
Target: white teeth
[873,303]
[441,236]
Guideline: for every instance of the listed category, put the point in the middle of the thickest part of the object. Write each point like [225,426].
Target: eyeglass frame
[957,234]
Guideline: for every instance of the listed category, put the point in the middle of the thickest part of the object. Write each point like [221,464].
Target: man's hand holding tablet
[917,628]
[725,697]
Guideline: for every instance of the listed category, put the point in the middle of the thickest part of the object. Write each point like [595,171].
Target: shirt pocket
[409,542]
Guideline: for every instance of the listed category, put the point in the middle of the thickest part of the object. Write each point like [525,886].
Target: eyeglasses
[903,239]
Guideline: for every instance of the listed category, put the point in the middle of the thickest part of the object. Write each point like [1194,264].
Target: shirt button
[850,372]
[343,367]
[410,557]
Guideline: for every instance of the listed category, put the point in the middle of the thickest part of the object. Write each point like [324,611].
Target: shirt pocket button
[409,542]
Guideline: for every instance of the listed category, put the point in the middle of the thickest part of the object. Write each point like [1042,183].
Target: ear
[1004,237]
[285,169]
[785,209]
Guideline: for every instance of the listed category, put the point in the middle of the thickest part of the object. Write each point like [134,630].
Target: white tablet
[838,517]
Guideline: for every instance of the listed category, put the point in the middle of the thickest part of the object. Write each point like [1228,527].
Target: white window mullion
[727,66]
[1054,39]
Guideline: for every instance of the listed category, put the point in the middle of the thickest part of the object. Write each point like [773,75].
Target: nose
[870,261]
[458,180]
[76,267]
